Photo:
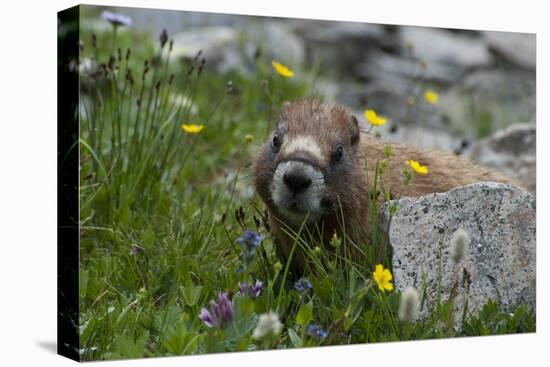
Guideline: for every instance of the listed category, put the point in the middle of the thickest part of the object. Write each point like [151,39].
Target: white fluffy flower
[409,304]
[460,243]
[268,325]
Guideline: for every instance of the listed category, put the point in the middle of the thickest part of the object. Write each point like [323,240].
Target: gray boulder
[519,48]
[423,136]
[230,48]
[337,46]
[442,46]
[500,261]
[511,151]
[494,97]
[213,41]
[278,41]
[155,20]
[392,68]
[329,32]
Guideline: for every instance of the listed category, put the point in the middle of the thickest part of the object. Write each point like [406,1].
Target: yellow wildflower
[417,167]
[373,119]
[431,97]
[192,128]
[282,70]
[383,278]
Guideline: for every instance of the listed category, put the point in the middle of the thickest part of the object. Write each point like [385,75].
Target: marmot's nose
[296,181]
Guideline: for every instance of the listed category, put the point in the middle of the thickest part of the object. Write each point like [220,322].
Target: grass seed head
[460,242]
[409,305]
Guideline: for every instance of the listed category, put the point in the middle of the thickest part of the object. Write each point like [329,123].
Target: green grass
[160,212]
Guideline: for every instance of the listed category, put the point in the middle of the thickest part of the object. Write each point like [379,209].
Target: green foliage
[483,121]
[491,321]
[161,211]
[304,314]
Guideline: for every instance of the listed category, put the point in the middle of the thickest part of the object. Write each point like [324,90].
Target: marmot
[317,168]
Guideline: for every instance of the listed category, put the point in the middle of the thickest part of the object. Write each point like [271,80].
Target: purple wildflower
[220,312]
[116,19]
[316,331]
[256,289]
[207,317]
[253,290]
[302,285]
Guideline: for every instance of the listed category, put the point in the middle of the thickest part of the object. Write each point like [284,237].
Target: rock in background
[511,151]
[485,79]
[500,263]
[372,65]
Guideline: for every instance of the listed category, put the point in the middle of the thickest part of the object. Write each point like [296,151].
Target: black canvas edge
[68,35]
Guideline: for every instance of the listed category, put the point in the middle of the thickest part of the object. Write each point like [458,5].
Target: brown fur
[348,183]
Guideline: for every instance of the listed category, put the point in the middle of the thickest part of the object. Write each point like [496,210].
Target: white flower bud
[460,243]
[268,325]
[409,304]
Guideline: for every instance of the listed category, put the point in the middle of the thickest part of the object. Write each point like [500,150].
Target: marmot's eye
[276,143]
[337,155]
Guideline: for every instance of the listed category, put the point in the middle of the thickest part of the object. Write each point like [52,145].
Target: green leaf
[393,208]
[191,293]
[243,305]
[180,341]
[355,306]
[128,347]
[324,289]
[294,338]
[303,317]
[244,318]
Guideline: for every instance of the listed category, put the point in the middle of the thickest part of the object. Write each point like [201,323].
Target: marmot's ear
[354,130]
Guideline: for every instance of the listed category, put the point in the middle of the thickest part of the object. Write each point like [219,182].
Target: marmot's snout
[297,189]
[296,181]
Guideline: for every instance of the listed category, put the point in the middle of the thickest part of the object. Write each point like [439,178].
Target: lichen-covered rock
[500,261]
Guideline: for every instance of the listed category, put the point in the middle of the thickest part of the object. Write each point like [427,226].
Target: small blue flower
[250,240]
[302,285]
[316,331]
[116,19]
